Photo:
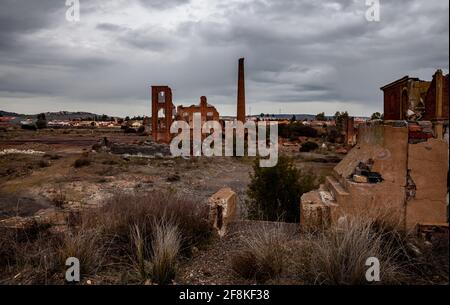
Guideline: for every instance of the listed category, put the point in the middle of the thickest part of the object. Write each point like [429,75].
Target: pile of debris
[145,149]
[363,173]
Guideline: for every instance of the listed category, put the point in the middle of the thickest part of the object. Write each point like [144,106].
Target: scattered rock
[360,179]
[173,178]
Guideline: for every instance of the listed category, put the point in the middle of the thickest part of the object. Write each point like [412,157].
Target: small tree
[321,117]
[340,118]
[376,116]
[274,192]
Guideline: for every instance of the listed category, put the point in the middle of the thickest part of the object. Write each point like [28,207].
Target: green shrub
[41,122]
[294,130]
[274,192]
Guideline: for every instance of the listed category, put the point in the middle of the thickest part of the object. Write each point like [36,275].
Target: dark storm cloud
[296,51]
[19,17]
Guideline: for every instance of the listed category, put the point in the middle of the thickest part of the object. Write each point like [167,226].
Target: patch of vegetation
[263,256]
[41,122]
[82,162]
[274,192]
[293,130]
[52,156]
[151,232]
[309,146]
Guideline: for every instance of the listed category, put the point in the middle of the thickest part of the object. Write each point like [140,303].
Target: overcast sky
[301,56]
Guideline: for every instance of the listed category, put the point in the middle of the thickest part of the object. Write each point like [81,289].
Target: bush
[86,245]
[82,162]
[148,231]
[141,129]
[274,192]
[41,122]
[122,212]
[294,130]
[338,256]
[309,146]
[29,127]
[44,163]
[333,135]
[29,256]
[129,130]
[263,256]
[52,156]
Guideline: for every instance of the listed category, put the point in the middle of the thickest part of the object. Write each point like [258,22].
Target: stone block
[222,209]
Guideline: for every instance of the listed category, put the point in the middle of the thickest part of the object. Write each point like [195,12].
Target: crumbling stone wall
[414,177]
[387,147]
[207,112]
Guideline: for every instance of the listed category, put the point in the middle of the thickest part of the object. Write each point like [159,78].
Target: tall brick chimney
[241,92]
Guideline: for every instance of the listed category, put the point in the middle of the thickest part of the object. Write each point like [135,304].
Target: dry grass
[338,256]
[123,212]
[29,256]
[126,231]
[86,245]
[139,247]
[166,246]
[264,254]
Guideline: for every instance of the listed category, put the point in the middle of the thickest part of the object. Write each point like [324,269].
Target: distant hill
[61,115]
[6,113]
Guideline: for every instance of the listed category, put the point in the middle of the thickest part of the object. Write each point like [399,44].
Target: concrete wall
[426,163]
[387,147]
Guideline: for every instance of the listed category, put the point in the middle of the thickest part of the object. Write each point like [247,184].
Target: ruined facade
[207,112]
[427,100]
[384,169]
[403,94]
[162,113]
[241,92]
[436,104]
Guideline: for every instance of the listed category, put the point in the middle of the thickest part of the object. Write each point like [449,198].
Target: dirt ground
[33,183]
[30,182]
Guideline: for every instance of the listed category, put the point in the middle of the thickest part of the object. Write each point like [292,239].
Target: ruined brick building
[207,111]
[399,163]
[423,100]
[164,111]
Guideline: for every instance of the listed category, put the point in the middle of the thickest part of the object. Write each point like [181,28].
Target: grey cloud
[163,4]
[296,51]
